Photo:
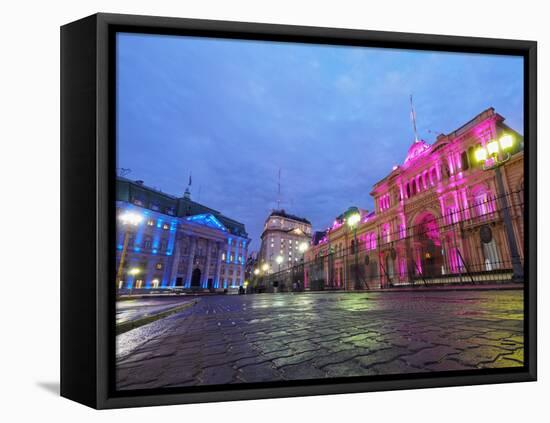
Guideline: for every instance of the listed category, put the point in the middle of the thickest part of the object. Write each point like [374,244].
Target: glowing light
[353,219]
[265,267]
[208,220]
[256,271]
[303,247]
[506,141]
[492,147]
[279,259]
[130,218]
[481,154]
[134,271]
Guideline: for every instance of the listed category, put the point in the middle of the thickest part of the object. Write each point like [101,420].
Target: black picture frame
[87,206]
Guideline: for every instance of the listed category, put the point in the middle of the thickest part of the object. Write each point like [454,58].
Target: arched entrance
[427,245]
[196,278]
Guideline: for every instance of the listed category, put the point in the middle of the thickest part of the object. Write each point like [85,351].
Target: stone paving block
[394,367]
[339,357]
[517,355]
[299,358]
[218,375]
[259,373]
[382,356]
[248,361]
[429,356]
[496,335]
[447,364]
[501,362]
[302,371]
[477,356]
[346,369]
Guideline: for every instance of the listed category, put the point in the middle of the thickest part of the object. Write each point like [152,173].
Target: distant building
[284,239]
[168,242]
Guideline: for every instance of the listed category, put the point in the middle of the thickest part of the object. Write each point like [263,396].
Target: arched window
[408,189]
[434,176]
[483,201]
[490,252]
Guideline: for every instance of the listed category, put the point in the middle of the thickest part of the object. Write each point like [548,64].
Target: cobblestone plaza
[275,337]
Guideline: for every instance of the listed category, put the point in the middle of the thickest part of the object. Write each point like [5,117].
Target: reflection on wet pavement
[268,337]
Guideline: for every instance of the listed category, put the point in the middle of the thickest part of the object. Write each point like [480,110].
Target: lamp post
[264,268]
[279,260]
[493,156]
[127,220]
[352,219]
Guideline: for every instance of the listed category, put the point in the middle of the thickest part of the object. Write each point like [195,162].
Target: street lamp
[279,260]
[127,220]
[353,217]
[256,271]
[303,247]
[493,156]
[265,267]
[134,271]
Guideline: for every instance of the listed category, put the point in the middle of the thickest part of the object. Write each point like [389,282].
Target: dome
[416,149]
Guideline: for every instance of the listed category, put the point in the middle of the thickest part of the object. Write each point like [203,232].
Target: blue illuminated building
[168,242]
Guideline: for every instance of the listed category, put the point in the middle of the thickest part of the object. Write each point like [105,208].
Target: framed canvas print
[255,211]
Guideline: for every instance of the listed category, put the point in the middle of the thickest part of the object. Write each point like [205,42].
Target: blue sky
[333,119]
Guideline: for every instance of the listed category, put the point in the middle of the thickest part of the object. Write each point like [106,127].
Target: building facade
[284,239]
[439,217]
[169,242]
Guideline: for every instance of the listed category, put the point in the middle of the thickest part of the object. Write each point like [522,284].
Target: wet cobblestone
[272,337]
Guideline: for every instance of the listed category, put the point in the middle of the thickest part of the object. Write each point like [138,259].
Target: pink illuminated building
[437,217]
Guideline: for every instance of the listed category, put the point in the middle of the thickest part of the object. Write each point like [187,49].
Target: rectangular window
[148,242]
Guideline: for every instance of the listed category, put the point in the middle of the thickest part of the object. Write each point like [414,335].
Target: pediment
[208,220]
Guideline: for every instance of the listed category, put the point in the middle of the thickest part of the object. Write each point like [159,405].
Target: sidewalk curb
[127,326]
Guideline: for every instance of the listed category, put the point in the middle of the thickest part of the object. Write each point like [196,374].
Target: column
[193,242]
[171,277]
[229,264]
[218,265]
[206,272]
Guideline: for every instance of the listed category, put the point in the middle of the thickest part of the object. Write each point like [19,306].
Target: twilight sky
[333,119]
